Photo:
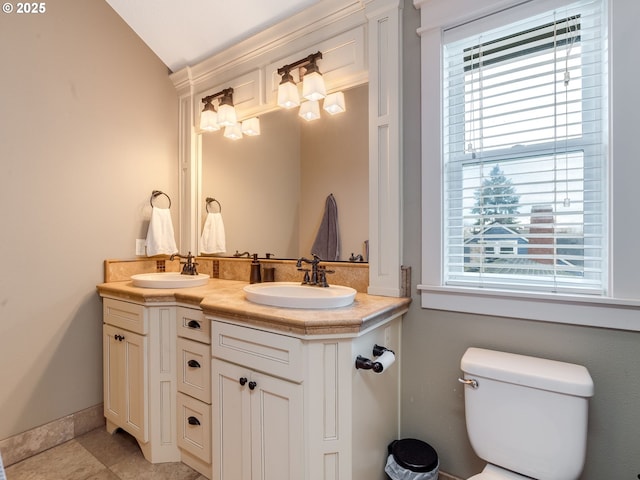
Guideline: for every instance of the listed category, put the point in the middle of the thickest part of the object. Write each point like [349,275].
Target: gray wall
[88,127]
[434,341]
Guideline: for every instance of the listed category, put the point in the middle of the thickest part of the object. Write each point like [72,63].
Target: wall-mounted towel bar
[209,201]
[157,193]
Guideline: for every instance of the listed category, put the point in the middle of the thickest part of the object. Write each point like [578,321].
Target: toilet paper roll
[384,361]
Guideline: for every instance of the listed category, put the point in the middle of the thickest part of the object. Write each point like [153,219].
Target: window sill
[604,312]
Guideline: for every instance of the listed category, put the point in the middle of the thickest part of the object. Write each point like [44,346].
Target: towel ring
[157,193]
[210,201]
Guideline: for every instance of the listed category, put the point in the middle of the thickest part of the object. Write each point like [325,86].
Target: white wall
[88,127]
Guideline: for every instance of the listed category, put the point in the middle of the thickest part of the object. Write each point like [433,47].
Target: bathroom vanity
[239,390]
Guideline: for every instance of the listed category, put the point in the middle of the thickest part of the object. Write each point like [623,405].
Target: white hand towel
[213,239]
[160,236]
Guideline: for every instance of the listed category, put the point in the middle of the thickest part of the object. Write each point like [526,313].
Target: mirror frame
[383,22]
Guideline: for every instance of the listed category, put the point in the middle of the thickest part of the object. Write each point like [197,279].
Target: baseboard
[44,437]
[446,476]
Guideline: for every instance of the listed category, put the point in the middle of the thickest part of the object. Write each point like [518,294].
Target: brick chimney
[541,233]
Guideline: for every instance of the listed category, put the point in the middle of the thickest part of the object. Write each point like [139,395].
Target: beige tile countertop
[225,299]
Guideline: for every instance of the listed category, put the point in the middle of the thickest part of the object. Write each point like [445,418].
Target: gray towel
[327,241]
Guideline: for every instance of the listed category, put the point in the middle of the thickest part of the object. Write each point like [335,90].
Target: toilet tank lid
[551,375]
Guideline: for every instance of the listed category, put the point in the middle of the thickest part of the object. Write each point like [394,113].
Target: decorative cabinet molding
[139,375]
[361,42]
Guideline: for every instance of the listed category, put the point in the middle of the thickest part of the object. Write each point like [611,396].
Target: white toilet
[526,416]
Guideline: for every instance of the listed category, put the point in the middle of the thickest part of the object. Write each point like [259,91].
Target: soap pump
[255,276]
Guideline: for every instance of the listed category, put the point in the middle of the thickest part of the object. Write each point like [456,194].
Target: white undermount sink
[295,295]
[169,280]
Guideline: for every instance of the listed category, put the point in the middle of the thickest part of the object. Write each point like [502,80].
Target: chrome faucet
[188,267]
[318,273]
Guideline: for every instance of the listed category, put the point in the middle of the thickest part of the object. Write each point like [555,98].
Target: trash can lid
[414,455]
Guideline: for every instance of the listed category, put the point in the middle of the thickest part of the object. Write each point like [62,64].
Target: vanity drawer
[194,369]
[129,316]
[191,324]
[271,353]
[194,427]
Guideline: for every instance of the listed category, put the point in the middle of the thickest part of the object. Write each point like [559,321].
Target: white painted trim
[385,147]
[619,314]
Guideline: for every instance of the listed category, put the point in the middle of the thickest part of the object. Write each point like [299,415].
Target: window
[524,162]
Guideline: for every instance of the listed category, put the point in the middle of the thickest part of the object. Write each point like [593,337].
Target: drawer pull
[193,421]
[243,381]
[118,337]
[194,324]
[193,364]
[252,385]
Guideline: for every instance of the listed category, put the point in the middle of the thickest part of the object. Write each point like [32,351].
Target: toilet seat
[492,472]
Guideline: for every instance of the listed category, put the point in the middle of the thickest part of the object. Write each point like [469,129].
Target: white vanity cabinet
[125,388]
[258,404]
[139,375]
[194,389]
[295,408]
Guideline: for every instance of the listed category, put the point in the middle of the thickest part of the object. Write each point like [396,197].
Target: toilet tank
[527,414]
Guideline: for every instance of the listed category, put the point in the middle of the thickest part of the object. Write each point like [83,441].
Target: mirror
[272,188]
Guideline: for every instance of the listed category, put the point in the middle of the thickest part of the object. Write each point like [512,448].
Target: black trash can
[411,459]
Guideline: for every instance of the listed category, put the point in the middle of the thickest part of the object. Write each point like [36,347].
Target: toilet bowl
[526,416]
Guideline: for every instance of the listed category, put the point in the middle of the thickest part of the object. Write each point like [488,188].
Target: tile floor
[97,455]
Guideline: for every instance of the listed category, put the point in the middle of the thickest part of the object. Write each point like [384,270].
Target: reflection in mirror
[272,188]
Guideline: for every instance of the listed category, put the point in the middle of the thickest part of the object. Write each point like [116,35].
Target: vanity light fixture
[310,110]
[212,119]
[312,83]
[251,126]
[234,132]
[334,103]
[226,110]
[287,91]
[209,116]
[313,89]
[225,116]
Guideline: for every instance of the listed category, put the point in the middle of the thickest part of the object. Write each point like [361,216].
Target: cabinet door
[113,365]
[231,418]
[276,428]
[125,380]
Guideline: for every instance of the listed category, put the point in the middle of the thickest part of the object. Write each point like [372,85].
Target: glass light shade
[313,86]
[226,115]
[288,96]
[310,110]
[209,120]
[234,132]
[251,126]
[334,103]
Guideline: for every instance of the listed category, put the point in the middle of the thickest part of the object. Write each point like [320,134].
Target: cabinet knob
[193,421]
[118,337]
[252,385]
[243,380]
[193,324]
[193,364]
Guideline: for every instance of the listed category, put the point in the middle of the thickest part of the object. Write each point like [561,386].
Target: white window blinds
[524,152]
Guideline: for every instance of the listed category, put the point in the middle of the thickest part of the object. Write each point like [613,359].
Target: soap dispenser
[255,276]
